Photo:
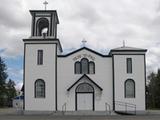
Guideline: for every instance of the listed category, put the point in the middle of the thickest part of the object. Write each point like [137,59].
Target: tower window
[129,88]
[129,65]
[40,57]
[39,88]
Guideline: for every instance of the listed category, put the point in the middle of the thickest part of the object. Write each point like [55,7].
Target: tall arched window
[77,67]
[91,67]
[42,24]
[129,65]
[40,57]
[39,88]
[84,66]
[129,88]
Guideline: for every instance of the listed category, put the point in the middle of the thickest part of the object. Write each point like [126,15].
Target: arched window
[77,67]
[91,67]
[84,66]
[39,88]
[42,26]
[129,88]
[84,88]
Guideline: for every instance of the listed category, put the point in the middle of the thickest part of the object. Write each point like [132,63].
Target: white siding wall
[65,78]
[102,76]
[45,72]
[138,75]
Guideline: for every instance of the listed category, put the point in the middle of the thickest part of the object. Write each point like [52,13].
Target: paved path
[50,117]
[7,111]
[11,114]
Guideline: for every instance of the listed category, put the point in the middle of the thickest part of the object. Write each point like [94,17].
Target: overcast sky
[103,23]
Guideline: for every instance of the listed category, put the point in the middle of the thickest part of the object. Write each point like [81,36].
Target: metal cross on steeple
[123,43]
[84,42]
[45,4]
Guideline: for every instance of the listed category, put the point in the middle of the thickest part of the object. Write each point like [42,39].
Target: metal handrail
[126,105]
[108,108]
[64,108]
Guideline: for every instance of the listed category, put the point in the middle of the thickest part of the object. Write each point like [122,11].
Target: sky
[104,24]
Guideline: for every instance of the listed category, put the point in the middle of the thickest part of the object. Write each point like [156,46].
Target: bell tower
[44,23]
[40,62]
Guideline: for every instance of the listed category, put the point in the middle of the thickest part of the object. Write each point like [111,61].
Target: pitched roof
[81,79]
[84,48]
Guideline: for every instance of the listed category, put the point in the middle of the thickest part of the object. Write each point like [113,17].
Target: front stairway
[121,108]
[86,112]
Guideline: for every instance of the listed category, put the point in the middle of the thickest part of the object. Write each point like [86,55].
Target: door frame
[85,92]
[76,105]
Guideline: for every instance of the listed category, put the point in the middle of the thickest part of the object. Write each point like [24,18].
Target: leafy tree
[157,90]
[153,90]
[3,77]
[3,73]
[7,89]
[11,91]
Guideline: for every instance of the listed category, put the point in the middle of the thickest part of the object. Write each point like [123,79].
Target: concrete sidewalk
[51,117]
[153,112]
[13,111]
[6,111]
[12,114]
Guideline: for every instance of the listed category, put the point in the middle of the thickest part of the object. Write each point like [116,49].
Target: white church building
[82,80]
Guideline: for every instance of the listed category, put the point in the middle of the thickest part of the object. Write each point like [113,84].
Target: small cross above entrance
[45,4]
[84,42]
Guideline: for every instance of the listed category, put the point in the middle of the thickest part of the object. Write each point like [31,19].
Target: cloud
[12,14]
[19,85]
[15,72]
[104,24]
[14,27]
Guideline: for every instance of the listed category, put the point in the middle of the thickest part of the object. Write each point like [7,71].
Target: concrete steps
[70,113]
[85,113]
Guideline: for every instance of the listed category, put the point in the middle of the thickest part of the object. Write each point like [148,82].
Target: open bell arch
[42,24]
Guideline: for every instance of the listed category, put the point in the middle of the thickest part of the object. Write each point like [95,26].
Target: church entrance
[84,101]
[84,97]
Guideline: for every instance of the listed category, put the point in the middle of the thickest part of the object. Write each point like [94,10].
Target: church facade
[83,80]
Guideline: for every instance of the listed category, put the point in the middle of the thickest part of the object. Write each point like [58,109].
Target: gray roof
[126,48]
